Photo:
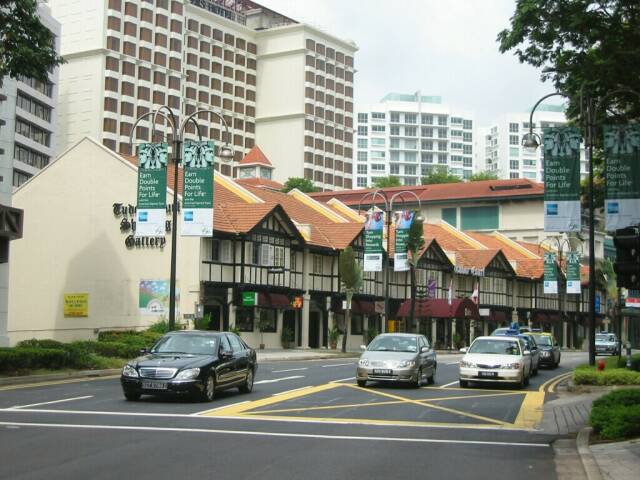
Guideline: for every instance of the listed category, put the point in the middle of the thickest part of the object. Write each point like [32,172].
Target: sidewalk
[575,459]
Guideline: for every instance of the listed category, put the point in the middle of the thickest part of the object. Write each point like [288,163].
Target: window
[244,319]
[394,169]
[362,156]
[442,146]
[410,157]
[363,117]
[409,169]
[456,121]
[356,324]
[410,118]
[362,130]
[394,156]
[513,127]
[19,177]
[394,130]
[467,174]
[410,144]
[467,136]
[267,320]
[514,175]
[317,264]
[528,162]
[30,157]
[378,115]
[426,157]
[456,133]
[456,146]
[362,169]
[395,117]
[479,218]
[278,256]
[377,154]
[378,142]
[467,124]
[410,181]
[378,167]
[467,162]
[514,151]
[410,131]
[442,120]
[427,119]
[46,88]
[427,144]
[426,132]
[514,140]
[467,149]
[362,182]
[362,143]
[395,143]
[442,158]
[514,164]
[236,344]
[34,107]
[33,132]
[378,128]
[529,175]
[450,215]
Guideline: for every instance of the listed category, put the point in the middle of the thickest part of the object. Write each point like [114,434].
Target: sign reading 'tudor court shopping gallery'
[561,179]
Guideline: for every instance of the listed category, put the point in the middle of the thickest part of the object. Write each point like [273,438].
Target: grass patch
[614,373]
[616,416]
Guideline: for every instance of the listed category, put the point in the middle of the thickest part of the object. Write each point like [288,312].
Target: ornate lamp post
[177,136]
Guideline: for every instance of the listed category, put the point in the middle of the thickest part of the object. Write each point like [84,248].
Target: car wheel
[463,383]
[247,387]
[362,383]
[132,396]
[209,391]
[418,382]
[432,379]
[526,380]
[535,372]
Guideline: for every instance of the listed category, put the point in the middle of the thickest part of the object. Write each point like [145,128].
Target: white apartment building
[276,82]
[407,135]
[503,152]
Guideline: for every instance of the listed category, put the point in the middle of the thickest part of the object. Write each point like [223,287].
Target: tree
[485,175]
[303,184]
[440,174]
[415,242]
[385,182]
[27,47]
[576,42]
[351,279]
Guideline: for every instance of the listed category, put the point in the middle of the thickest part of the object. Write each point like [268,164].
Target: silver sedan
[398,357]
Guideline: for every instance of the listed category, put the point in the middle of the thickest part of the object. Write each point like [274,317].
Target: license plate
[382,372]
[487,374]
[154,385]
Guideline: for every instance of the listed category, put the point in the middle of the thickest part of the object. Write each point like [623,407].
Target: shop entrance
[314,329]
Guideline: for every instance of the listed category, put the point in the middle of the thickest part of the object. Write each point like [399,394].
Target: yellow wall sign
[76,304]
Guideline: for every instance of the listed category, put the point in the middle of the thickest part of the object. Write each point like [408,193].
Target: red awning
[440,308]
[498,316]
[273,300]
[358,307]
[539,317]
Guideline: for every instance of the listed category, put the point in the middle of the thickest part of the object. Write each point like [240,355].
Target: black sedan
[191,363]
[549,349]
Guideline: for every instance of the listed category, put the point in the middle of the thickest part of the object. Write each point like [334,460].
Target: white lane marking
[219,408]
[278,379]
[448,384]
[337,365]
[52,402]
[289,391]
[452,363]
[342,380]
[290,370]
[273,434]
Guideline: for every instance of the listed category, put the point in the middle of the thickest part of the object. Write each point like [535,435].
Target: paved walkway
[618,461]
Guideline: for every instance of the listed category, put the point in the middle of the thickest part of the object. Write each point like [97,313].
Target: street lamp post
[388,205]
[589,108]
[226,153]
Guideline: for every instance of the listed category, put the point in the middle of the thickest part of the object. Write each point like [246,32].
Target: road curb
[58,376]
[588,460]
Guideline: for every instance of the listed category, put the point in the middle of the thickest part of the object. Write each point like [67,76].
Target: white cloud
[440,47]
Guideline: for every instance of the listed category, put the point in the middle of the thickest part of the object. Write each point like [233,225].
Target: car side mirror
[527,352]
[143,351]
[226,354]
[463,350]
[363,347]
[424,349]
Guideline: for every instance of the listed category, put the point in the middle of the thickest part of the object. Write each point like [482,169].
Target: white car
[495,359]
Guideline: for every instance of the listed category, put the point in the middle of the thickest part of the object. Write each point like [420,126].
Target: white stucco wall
[72,243]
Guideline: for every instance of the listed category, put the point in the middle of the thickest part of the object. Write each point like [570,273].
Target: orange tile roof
[260,182]
[534,247]
[475,258]
[240,217]
[486,189]
[255,156]
[446,239]
[494,241]
[530,268]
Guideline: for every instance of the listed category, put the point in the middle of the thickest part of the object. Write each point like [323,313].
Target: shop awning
[273,300]
[440,308]
[358,307]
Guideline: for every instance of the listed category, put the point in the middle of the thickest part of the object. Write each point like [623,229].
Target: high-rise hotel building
[283,85]
[409,135]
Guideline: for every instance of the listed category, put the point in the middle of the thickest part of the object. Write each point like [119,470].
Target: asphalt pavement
[304,420]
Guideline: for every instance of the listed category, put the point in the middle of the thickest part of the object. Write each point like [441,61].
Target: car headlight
[129,371]
[544,353]
[466,364]
[406,363]
[363,362]
[510,366]
[188,374]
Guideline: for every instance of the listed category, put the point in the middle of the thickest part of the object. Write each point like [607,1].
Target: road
[304,420]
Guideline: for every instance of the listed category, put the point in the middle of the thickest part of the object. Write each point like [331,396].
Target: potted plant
[372,332]
[286,337]
[263,326]
[457,340]
[334,334]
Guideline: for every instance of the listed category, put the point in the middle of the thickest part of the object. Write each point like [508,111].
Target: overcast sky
[440,47]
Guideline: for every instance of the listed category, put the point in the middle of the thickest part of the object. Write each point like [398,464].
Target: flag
[450,295]
[476,294]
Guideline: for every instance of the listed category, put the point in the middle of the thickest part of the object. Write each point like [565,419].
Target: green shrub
[161,326]
[617,414]
[613,376]
[44,343]
[15,360]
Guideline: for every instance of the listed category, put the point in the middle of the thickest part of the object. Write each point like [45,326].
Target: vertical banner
[622,176]
[561,179]
[403,220]
[373,228]
[550,273]
[151,213]
[573,272]
[197,189]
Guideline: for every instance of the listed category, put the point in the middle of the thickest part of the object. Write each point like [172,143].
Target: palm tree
[351,279]
[415,242]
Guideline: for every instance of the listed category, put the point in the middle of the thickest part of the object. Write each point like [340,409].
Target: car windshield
[605,338]
[190,344]
[394,344]
[543,340]
[495,347]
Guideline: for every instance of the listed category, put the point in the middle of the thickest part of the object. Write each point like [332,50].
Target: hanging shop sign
[550,273]
[76,304]
[402,220]
[197,189]
[622,176]
[152,189]
[249,299]
[373,228]
[476,272]
[561,179]
[297,302]
[573,272]
[432,284]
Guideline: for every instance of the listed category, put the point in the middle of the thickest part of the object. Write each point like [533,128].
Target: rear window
[495,347]
[543,340]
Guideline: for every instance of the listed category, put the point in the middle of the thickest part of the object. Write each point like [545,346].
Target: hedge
[25,358]
[616,415]
[612,376]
